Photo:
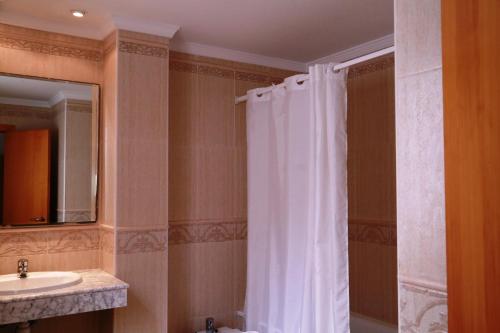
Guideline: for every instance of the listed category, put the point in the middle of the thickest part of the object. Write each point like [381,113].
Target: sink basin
[37,282]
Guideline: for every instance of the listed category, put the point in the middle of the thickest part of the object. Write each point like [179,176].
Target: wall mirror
[48,151]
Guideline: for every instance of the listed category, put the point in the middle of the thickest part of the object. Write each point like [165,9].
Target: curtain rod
[335,68]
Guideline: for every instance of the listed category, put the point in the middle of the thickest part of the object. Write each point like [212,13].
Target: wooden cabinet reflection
[26,177]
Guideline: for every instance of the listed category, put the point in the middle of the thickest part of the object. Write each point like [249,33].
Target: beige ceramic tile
[239,273]
[377,281]
[179,288]
[183,110]
[211,278]
[147,275]
[182,183]
[214,182]
[216,109]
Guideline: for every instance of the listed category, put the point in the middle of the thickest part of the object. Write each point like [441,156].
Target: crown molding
[238,56]
[138,25]
[356,51]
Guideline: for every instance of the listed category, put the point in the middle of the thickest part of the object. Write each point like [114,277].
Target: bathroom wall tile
[214,182]
[207,222]
[183,111]
[201,284]
[68,261]
[107,262]
[179,286]
[240,183]
[417,35]
[376,275]
[355,279]
[216,110]
[371,141]
[142,180]
[239,273]
[240,109]
[420,174]
[147,275]
[142,138]
[212,278]
[221,319]
[182,182]
[142,198]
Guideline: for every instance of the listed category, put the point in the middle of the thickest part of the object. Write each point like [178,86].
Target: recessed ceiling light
[78,13]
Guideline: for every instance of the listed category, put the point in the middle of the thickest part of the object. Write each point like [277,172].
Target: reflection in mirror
[48,151]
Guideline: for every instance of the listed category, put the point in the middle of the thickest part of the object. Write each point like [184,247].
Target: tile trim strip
[49,242]
[189,232]
[375,232]
[50,48]
[212,70]
[142,241]
[143,49]
[370,67]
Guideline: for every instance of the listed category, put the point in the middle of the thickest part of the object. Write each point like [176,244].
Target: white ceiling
[298,30]
[43,93]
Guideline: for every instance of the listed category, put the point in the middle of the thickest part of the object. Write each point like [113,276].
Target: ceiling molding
[357,51]
[239,56]
[139,25]
[24,102]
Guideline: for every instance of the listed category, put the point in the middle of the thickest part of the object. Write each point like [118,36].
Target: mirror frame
[95,186]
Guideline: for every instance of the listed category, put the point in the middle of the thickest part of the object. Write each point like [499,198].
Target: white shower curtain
[297,279]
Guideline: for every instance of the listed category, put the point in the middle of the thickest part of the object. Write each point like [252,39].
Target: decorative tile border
[187,67]
[142,241]
[373,232]
[216,71]
[187,232]
[61,241]
[22,243]
[370,67]
[422,308]
[46,48]
[252,77]
[107,240]
[183,67]
[143,49]
[232,65]
[48,240]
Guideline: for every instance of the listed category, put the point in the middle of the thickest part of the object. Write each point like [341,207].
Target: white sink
[37,282]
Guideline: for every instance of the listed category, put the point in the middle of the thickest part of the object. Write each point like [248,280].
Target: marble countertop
[97,291]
